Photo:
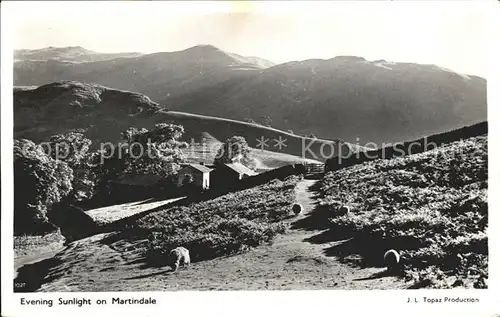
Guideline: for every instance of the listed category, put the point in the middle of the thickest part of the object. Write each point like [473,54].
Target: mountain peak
[65,49]
[203,47]
[347,58]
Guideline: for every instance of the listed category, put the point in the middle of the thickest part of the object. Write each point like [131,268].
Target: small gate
[314,168]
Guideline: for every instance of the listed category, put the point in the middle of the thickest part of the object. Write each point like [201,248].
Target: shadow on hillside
[101,201]
[358,252]
[31,276]
[381,274]
[347,245]
[315,220]
[361,249]
[150,275]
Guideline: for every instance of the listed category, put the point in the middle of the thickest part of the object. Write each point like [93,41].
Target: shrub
[225,225]
[431,206]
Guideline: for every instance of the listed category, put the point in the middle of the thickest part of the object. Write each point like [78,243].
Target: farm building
[199,172]
[231,173]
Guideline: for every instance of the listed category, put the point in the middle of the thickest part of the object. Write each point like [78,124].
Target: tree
[39,182]
[158,151]
[235,147]
[266,121]
[74,149]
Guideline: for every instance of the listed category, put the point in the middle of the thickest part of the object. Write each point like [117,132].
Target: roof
[199,167]
[138,179]
[240,169]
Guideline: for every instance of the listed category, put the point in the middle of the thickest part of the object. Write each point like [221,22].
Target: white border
[285,303]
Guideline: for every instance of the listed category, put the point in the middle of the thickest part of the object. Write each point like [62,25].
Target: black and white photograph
[246,146]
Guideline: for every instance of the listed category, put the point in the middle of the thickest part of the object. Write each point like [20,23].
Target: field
[26,245]
[104,113]
[225,225]
[110,214]
[431,207]
[204,148]
[118,261]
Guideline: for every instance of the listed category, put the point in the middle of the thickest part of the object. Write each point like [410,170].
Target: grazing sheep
[344,210]
[179,255]
[297,209]
[391,259]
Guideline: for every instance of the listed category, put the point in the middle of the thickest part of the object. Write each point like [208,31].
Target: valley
[240,231]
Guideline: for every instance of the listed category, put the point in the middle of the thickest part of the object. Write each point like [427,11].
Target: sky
[451,35]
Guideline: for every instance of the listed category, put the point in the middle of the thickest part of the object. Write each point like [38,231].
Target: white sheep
[391,259]
[177,256]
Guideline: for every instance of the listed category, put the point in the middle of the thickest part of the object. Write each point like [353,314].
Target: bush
[226,225]
[39,182]
[432,207]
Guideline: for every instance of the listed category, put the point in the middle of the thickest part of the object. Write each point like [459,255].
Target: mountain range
[345,97]
[71,54]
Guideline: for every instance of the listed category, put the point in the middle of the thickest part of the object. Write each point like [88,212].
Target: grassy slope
[224,225]
[229,224]
[26,245]
[432,207]
[115,261]
[104,113]
[221,129]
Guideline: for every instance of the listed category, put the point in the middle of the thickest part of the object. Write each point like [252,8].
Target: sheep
[297,209]
[344,210]
[391,259]
[179,255]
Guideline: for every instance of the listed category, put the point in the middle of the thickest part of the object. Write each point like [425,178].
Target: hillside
[344,97]
[402,149]
[103,113]
[76,54]
[348,98]
[240,241]
[158,75]
[432,207]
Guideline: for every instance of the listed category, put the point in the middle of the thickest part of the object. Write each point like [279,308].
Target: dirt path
[289,263]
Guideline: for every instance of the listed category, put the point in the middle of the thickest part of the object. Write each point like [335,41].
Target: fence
[314,168]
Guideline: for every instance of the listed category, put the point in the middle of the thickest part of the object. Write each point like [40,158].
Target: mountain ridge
[74,54]
[346,97]
[103,113]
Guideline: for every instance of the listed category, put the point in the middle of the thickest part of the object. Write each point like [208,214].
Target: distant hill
[75,54]
[413,147]
[348,98]
[345,97]
[159,75]
[103,113]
